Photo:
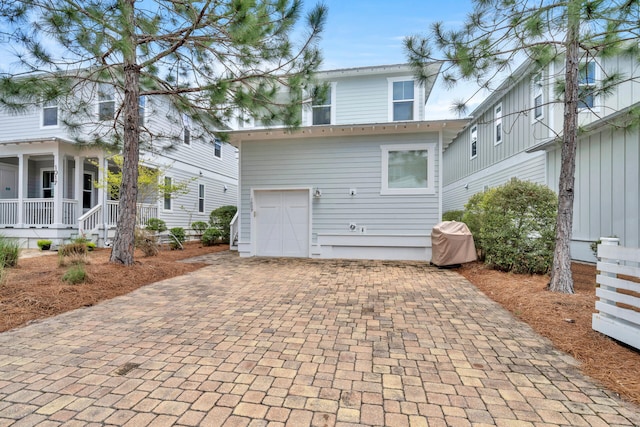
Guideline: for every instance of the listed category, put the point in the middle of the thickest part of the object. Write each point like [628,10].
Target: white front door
[282,223]
[8,183]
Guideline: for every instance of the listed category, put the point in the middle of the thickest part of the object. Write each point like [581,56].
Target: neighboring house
[515,133]
[360,179]
[48,182]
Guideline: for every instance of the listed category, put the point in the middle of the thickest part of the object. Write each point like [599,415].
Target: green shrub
[9,252]
[221,219]
[90,246]
[199,226]
[146,242]
[44,245]
[156,224]
[211,236]
[452,216]
[517,226]
[472,216]
[75,274]
[177,237]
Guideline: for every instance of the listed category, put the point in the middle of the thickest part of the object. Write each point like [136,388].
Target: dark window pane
[106,110]
[403,110]
[321,115]
[538,106]
[50,116]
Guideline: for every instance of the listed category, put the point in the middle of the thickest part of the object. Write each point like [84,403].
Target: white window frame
[166,197]
[104,89]
[596,77]
[52,183]
[416,97]
[431,163]
[50,105]
[186,130]
[217,143]
[537,91]
[497,126]
[473,139]
[308,112]
[201,198]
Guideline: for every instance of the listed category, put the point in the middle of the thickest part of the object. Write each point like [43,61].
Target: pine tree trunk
[123,244]
[561,278]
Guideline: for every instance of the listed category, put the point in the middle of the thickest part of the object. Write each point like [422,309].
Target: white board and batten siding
[607,178]
[384,226]
[619,299]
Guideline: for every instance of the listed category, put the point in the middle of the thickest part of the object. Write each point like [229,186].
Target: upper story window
[403,103]
[106,102]
[321,108]
[473,142]
[538,97]
[50,113]
[217,148]
[167,194]
[497,112]
[408,169]
[142,108]
[586,85]
[186,129]
[200,198]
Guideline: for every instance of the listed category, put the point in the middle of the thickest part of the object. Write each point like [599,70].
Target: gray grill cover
[452,243]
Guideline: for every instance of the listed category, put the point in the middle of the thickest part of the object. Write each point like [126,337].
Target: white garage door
[282,223]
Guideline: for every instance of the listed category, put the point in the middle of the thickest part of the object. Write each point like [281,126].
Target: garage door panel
[282,223]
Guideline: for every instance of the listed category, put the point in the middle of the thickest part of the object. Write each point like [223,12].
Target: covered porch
[48,190]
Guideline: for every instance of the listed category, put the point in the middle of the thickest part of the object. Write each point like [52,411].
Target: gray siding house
[361,179]
[515,133]
[48,181]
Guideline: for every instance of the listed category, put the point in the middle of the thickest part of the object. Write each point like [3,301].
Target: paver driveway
[296,342]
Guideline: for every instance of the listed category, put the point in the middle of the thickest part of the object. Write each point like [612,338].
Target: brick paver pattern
[292,342]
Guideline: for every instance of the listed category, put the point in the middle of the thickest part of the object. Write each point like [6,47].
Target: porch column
[23,178]
[77,185]
[58,167]
[103,165]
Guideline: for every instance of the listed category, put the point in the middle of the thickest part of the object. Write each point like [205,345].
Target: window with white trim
[106,102]
[200,198]
[402,98]
[538,97]
[586,85]
[217,148]
[473,142]
[497,112]
[167,193]
[408,169]
[321,107]
[186,129]
[142,108]
[50,113]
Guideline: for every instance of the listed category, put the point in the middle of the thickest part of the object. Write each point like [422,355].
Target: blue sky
[361,33]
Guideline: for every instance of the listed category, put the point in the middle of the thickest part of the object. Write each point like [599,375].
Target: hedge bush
[211,236]
[177,237]
[199,226]
[221,219]
[156,224]
[452,216]
[516,223]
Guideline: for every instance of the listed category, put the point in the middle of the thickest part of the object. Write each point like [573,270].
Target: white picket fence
[618,313]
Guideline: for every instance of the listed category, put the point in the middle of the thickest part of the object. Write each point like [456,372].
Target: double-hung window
[321,107]
[497,112]
[186,129]
[167,193]
[403,100]
[586,85]
[106,102]
[50,113]
[217,148]
[538,97]
[473,142]
[201,198]
[408,169]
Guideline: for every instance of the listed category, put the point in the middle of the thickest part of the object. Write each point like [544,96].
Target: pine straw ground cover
[34,290]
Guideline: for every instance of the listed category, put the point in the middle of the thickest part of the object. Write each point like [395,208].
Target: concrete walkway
[272,342]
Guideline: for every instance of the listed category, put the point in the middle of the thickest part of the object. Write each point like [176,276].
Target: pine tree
[501,33]
[209,58]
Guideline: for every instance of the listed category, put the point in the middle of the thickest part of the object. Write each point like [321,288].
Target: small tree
[221,218]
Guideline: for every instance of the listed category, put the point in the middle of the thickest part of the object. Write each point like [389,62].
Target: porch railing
[144,211]
[233,232]
[38,212]
[8,212]
[90,220]
[69,211]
